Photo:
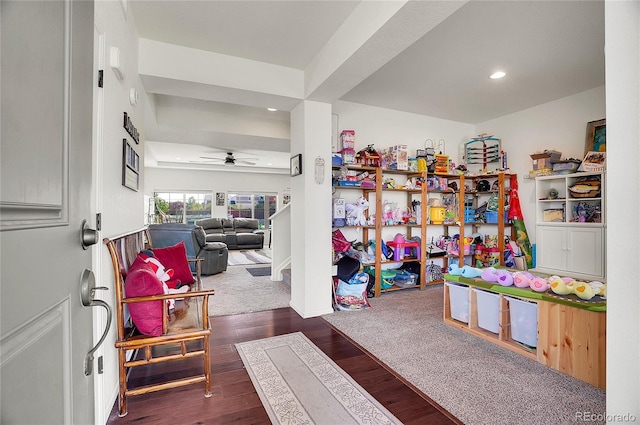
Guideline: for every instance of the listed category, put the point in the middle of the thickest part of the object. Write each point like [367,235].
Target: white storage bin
[524,321]
[459,301]
[488,310]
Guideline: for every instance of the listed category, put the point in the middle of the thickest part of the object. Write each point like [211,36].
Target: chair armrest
[198,262]
[180,295]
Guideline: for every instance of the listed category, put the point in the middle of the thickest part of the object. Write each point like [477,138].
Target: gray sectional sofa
[237,233]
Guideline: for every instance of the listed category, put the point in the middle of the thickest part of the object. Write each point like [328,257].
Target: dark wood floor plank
[235,400]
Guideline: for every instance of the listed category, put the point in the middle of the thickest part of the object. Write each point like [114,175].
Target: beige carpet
[237,291]
[299,384]
[477,381]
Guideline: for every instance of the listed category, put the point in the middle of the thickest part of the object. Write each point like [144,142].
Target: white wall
[121,207]
[157,179]
[559,125]
[622,41]
[387,127]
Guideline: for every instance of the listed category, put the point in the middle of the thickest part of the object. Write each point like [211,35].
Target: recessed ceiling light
[271,109]
[497,75]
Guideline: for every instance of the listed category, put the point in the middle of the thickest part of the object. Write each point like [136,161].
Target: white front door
[46,162]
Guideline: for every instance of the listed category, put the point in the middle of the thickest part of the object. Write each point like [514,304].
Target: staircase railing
[280,241]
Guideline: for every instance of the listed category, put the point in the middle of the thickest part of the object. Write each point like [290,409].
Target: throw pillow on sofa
[175,257]
[141,281]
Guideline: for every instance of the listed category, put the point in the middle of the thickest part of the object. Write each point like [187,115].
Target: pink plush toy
[522,280]
[505,278]
[164,275]
[539,284]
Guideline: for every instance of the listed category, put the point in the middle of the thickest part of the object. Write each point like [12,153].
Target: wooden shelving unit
[410,230]
[571,340]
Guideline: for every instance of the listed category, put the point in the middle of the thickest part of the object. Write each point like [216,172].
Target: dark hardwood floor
[235,400]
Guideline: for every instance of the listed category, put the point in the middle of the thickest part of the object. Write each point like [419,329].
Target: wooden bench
[185,333]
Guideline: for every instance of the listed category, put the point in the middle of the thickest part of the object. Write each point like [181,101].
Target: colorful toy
[561,286]
[583,290]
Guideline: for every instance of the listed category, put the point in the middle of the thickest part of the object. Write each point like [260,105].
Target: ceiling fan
[230,160]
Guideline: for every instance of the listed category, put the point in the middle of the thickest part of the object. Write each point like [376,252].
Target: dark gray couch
[213,254]
[236,233]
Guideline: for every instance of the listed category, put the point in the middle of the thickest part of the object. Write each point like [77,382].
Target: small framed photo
[296,165]
[596,140]
[220,197]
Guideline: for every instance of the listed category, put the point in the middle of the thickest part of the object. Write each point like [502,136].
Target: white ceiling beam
[213,76]
[372,35]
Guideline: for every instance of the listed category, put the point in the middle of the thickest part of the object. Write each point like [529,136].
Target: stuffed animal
[454,270]
[522,279]
[583,290]
[164,275]
[561,286]
[505,278]
[470,272]
[355,212]
[538,284]
[490,274]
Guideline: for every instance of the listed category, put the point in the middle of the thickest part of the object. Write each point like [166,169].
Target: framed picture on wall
[296,165]
[596,140]
[220,199]
[130,166]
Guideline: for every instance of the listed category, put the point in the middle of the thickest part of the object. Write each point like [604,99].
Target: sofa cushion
[245,225]
[211,225]
[142,281]
[175,257]
[227,224]
[201,236]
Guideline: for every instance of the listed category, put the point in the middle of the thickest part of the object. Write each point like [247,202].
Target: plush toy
[583,290]
[164,275]
[522,279]
[355,212]
[490,274]
[454,270]
[470,272]
[505,278]
[538,284]
[560,286]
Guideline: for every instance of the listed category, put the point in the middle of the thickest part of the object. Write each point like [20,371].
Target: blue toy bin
[492,216]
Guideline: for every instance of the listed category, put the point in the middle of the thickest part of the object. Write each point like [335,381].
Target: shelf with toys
[483,209]
[388,216]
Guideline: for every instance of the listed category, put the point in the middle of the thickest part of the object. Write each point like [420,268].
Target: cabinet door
[552,247]
[584,250]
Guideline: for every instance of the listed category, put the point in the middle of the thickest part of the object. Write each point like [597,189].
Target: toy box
[524,321]
[459,301]
[488,310]
[545,159]
[396,158]
[339,212]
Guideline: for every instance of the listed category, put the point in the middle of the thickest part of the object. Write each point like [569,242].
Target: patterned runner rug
[299,384]
[247,256]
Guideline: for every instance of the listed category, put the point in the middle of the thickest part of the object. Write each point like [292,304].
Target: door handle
[87,292]
[88,236]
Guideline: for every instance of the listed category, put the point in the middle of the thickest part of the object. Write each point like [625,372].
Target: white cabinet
[575,250]
[570,224]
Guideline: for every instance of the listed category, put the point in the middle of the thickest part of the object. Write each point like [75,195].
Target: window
[181,207]
[252,205]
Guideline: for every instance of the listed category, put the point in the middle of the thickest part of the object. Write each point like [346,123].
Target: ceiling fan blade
[238,161]
[212,158]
